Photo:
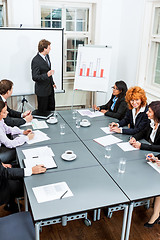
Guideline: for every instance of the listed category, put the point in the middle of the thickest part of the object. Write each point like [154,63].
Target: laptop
[43,115]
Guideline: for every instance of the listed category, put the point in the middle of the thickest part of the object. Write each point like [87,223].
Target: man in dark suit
[42,75]
[14,118]
[11,183]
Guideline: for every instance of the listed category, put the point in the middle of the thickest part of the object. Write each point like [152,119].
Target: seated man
[11,183]
[14,118]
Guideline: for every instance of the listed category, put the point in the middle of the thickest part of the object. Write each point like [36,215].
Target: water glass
[74,114]
[78,120]
[122,165]
[108,151]
[62,128]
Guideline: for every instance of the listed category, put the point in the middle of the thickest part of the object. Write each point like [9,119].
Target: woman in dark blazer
[151,132]
[136,117]
[116,106]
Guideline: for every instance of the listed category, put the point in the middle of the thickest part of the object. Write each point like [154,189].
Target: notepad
[107,140]
[52,192]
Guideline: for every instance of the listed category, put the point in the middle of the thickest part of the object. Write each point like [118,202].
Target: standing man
[14,118]
[42,75]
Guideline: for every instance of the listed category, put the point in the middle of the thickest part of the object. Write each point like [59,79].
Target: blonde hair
[136,93]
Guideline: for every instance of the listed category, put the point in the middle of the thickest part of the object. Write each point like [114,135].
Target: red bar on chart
[94,73]
[87,72]
[81,71]
[101,74]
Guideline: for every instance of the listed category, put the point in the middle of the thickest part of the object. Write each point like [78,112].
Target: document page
[107,140]
[154,165]
[47,161]
[39,124]
[52,192]
[126,146]
[107,130]
[39,136]
[38,151]
[91,114]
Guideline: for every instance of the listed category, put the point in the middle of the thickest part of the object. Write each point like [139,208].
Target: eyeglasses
[115,88]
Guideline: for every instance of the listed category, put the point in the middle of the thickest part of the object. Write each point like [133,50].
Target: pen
[35,157]
[63,194]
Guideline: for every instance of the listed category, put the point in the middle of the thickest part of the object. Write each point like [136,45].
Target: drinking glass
[62,128]
[74,114]
[108,151]
[78,120]
[122,165]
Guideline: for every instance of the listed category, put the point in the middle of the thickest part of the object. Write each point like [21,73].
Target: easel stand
[23,103]
[93,97]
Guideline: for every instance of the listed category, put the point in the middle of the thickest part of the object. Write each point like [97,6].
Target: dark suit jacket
[145,134]
[7,174]
[13,118]
[119,110]
[140,123]
[43,83]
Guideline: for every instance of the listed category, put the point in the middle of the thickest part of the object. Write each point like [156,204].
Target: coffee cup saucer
[52,120]
[85,124]
[68,157]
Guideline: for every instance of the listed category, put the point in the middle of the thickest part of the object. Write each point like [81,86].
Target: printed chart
[92,71]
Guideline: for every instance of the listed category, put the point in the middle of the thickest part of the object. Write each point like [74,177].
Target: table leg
[25,199]
[37,226]
[98,214]
[124,221]
[129,220]
[64,221]
[95,215]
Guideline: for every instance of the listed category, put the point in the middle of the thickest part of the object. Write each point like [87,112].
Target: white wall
[130,40]
[121,27]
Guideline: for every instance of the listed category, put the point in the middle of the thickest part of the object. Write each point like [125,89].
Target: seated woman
[151,132]
[116,107]
[136,116]
[5,142]
[11,183]
[155,218]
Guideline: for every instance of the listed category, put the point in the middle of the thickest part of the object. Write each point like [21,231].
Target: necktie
[114,102]
[47,61]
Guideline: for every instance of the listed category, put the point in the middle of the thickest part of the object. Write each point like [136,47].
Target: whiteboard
[19,46]
[93,67]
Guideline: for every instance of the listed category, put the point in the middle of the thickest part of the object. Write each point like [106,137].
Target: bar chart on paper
[92,70]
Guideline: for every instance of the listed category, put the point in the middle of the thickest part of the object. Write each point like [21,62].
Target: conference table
[93,179]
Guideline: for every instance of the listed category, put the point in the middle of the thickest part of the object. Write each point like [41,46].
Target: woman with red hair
[136,117]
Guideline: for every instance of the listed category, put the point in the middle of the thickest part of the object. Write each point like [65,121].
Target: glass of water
[74,114]
[78,120]
[122,165]
[108,151]
[62,128]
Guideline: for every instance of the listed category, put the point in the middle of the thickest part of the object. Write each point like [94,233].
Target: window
[2,15]
[154,57]
[76,22]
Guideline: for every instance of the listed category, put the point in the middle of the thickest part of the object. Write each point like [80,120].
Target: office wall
[118,23]
[121,26]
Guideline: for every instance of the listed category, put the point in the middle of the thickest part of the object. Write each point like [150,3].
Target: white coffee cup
[85,122]
[52,119]
[69,154]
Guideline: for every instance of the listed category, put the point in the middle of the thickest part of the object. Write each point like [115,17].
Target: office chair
[18,226]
